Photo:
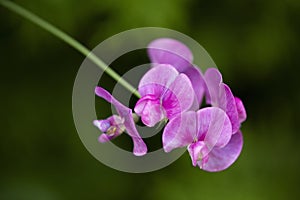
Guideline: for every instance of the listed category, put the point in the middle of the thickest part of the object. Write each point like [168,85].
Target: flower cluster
[173,91]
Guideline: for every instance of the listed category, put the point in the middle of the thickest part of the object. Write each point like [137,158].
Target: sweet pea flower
[172,52]
[218,94]
[165,93]
[117,124]
[207,134]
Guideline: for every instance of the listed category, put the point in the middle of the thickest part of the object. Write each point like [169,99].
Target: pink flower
[207,134]
[117,124]
[165,93]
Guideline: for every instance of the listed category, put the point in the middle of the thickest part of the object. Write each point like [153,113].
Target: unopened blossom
[165,93]
[207,134]
[117,124]
[112,127]
[218,94]
[175,53]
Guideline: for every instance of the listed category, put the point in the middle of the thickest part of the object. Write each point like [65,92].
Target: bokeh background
[254,43]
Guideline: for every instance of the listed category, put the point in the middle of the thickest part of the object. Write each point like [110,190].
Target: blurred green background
[255,45]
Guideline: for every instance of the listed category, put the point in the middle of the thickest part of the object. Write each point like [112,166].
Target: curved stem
[69,40]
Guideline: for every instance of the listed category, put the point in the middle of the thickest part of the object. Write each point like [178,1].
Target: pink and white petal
[240,109]
[198,83]
[150,110]
[213,79]
[214,127]
[198,151]
[152,89]
[157,79]
[228,104]
[170,51]
[179,97]
[180,131]
[126,113]
[221,158]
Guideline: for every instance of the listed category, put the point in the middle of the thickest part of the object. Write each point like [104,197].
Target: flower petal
[222,158]
[214,127]
[150,110]
[240,109]
[228,104]
[179,96]
[219,95]
[157,79]
[170,51]
[199,153]
[198,83]
[122,110]
[213,79]
[180,131]
[139,147]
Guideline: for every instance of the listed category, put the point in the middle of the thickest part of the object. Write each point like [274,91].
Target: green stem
[69,40]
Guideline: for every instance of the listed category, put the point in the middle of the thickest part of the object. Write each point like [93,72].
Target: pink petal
[170,51]
[198,83]
[213,79]
[198,152]
[122,110]
[139,147]
[157,79]
[214,127]
[228,104]
[179,97]
[150,109]
[222,158]
[219,95]
[180,131]
[240,109]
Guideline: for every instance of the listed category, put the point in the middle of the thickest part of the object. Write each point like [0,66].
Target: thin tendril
[69,40]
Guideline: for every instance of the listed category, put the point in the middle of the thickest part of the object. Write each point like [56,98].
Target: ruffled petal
[157,79]
[222,158]
[214,127]
[179,96]
[150,109]
[170,51]
[240,109]
[139,147]
[228,104]
[180,131]
[219,95]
